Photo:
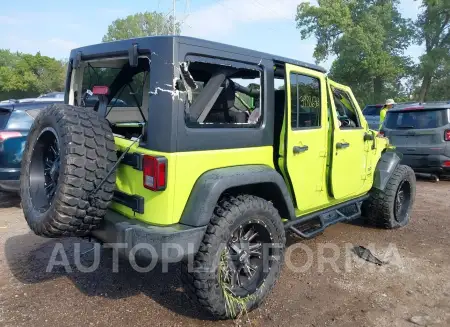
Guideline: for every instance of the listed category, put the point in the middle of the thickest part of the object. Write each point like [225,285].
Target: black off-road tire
[87,153]
[379,209]
[201,284]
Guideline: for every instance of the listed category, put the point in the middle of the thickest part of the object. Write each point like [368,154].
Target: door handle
[300,149]
[342,145]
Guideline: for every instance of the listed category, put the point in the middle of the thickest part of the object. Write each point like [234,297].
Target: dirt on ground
[323,283]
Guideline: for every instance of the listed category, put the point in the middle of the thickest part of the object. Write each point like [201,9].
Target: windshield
[417,119]
[372,110]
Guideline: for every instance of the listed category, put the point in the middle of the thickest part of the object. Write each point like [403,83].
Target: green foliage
[234,306]
[433,26]
[367,37]
[139,25]
[26,75]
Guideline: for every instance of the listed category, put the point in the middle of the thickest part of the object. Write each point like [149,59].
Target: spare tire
[69,151]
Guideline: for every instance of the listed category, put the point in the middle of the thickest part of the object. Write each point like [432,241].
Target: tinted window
[4,116]
[372,110]
[305,101]
[19,120]
[417,119]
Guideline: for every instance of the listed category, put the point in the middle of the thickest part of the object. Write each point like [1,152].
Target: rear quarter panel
[184,168]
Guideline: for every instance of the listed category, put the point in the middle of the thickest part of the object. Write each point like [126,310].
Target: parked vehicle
[218,184]
[51,97]
[372,113]
[15,122]
[8,101]
[422,134]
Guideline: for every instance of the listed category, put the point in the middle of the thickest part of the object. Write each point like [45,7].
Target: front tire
[240,258]
[391,207]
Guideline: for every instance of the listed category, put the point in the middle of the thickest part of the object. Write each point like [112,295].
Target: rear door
[349,151]
[306,145]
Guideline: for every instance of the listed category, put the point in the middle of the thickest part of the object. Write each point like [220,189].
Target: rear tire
[211,283]
[69,150]
[391,207]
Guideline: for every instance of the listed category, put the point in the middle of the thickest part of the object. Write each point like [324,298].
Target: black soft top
[164,46]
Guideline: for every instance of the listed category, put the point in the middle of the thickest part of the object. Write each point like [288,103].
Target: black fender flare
[386,166]
[212,184]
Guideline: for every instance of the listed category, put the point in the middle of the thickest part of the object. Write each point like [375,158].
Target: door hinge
[323,154]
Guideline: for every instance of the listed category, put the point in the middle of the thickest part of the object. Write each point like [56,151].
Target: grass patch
[235,306]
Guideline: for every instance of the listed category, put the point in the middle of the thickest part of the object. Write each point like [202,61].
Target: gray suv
[422,134]
[372,113]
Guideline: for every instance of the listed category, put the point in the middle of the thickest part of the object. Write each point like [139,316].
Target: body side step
[318,221]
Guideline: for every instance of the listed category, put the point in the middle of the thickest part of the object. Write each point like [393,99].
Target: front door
[349,156]
[306,126]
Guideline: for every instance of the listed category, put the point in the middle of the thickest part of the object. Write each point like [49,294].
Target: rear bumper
[131,237]
[9,179]
[433,164]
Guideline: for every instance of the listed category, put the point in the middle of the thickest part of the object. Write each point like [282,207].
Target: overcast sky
[55,27]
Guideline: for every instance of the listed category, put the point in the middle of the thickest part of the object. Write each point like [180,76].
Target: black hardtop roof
[421,106]
[120,46]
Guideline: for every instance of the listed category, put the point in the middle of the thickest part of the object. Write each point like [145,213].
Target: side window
[305,101]
[345,109]
[221,96]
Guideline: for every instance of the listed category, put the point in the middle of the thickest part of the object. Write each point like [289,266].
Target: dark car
[372,114]
[15,122]
[422,134]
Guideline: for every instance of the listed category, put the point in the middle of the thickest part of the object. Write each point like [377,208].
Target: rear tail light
[447,163]
[447,135]
[8,135]
[155,173]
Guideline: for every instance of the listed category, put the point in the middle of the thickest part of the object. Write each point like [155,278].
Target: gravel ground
[411,289]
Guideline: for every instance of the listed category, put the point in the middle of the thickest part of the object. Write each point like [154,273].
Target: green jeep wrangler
[194,151]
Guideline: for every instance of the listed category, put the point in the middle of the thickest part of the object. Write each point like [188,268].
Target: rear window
[372,110]
[128,98]
[19,120]
[417,119]
[4,116]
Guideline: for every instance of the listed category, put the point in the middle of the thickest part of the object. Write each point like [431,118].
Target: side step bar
[315,223]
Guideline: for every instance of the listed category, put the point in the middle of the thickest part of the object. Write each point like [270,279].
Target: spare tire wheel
[69,151]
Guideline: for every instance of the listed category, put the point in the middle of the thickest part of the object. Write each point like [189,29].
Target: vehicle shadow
[28,257]
[9,200]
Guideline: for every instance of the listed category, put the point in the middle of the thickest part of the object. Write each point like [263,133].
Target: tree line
[367,38]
